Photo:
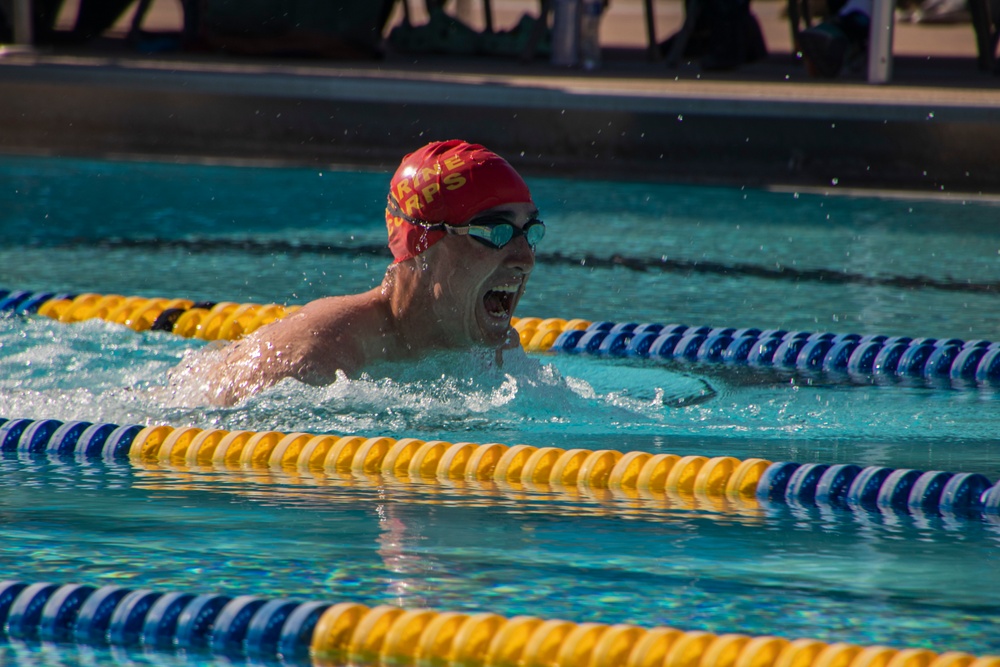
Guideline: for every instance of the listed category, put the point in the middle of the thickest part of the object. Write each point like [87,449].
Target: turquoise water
[709,255]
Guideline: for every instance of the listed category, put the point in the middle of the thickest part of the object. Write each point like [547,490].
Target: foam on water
[98,371]
[449,391]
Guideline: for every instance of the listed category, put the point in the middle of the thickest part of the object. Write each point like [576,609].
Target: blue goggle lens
[500,234]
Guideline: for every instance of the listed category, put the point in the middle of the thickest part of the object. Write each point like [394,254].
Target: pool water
[696,255]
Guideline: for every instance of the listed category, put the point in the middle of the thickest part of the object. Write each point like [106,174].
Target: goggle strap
[397,211]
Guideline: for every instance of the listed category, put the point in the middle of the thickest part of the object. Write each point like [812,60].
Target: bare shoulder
[325,336]
[328,335]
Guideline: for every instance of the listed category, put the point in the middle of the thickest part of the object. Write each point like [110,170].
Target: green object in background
[447,35]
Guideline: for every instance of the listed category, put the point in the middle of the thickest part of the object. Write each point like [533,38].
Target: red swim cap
[446,182]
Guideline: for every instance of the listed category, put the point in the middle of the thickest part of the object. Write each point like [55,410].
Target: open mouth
[499,302]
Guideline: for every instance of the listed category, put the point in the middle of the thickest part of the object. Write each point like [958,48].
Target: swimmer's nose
[520,255]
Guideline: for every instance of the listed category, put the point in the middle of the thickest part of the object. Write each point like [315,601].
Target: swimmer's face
[476,287]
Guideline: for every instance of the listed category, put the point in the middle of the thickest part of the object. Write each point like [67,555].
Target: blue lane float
[845,486]
[118,616]
[61,611]
[875,488]
[965,363]
[21,302]
[161,620]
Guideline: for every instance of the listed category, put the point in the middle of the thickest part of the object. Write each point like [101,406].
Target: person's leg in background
[826,46]
[734,35]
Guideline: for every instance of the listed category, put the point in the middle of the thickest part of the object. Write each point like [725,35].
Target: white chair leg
[880,42]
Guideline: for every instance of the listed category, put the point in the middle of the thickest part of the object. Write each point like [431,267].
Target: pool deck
[934,129]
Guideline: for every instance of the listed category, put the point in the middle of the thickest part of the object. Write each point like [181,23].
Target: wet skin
[459,293]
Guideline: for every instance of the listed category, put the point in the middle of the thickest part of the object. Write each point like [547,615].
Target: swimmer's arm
[247,367]
[311,345]
[265,358]
[326,340]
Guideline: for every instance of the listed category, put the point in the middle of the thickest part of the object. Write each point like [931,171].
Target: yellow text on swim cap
[422,187]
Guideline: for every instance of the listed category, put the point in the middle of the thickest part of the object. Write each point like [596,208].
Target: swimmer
[462,230]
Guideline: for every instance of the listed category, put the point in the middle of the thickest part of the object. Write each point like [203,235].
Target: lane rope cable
[631,263]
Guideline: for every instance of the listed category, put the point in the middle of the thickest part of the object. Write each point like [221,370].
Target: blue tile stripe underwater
[298,631]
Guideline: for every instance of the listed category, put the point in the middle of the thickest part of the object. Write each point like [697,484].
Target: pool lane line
[851,357]
[328,633]
[846,486]
[616,261]
[118,616]
[224,320]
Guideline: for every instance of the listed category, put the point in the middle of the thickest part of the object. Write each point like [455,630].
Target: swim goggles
[492,234]
[498,234]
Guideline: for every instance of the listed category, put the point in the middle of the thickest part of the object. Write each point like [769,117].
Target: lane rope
[855,357]
[331,633]
[848,486]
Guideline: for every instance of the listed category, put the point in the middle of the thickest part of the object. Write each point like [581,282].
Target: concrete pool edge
[753,134]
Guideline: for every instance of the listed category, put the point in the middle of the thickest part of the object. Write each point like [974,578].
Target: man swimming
[462,230]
